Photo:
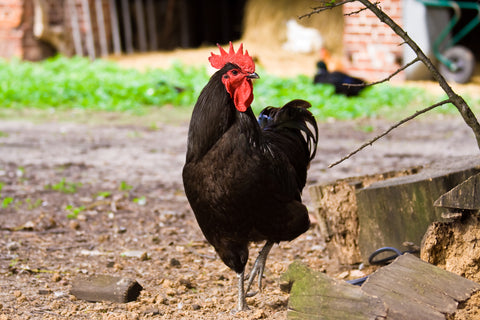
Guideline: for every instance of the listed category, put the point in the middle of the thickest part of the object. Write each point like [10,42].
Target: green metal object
[457,10]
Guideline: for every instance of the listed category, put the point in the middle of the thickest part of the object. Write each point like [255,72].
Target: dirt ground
[127,178]
[101,194]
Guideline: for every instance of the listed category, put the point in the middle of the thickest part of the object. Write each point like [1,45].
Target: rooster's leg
[258,268]
[242,303]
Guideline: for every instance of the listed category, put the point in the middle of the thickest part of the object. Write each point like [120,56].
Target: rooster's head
[238,80]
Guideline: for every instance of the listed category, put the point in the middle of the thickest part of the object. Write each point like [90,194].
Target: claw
[258,268]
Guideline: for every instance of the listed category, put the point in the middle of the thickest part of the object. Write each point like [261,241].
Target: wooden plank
[465,196]
[140,17]
[152,26]
[77,37]
[101,27]
[115,28]
[400,210]
[127,24]
[413,289]
[88,29]
[105,288]
[314,295]
[407,289]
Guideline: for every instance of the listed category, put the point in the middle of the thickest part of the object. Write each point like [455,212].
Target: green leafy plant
[103,194]
[6,202]
[33,204]
[64,186]
[140,200]
[124,186]
[62,82]
[73,211]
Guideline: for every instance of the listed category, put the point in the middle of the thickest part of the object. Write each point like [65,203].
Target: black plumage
[343,83]
[244,176]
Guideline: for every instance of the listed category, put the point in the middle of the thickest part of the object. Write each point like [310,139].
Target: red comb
[243,60]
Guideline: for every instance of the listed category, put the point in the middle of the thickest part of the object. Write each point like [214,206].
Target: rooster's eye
[234,72]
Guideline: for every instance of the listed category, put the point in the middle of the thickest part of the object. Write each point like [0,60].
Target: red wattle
[243,95]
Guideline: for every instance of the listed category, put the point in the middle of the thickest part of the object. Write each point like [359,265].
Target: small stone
[44,291]
[142,255]
[74,225]
[59,294]
[121,230]
[152,312]
[56,277]
[187,283]
[196,306]
[12,246]
[174,263]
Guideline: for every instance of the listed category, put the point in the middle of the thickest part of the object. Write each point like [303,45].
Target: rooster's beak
[253,75]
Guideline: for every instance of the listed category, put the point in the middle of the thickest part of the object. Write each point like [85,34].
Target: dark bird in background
[244,176]
[343,83]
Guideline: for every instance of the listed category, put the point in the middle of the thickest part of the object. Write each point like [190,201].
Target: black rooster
[243,177]
[344,84]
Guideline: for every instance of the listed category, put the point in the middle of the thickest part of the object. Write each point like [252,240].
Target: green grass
[77,85]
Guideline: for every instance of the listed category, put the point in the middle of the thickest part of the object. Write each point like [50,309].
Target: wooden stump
[360,215]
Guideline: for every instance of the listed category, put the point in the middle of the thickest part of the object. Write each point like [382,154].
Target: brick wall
[371,48]
[16,28]
[11,34]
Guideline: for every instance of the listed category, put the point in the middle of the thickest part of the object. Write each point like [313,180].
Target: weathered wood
[152,25]
[106,288]
[314,295]
[88,29]
[408,288]
[335,209]
[77,37]
[413,289]
[115,28]
[141,30]
[127,26]
[102,36]
[400,210]
[465,196]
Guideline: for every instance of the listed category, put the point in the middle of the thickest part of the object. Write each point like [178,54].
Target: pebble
[44,291]
[60,294]
[196,306]
[174,262]
[12,246]
[140,254]
[56,277]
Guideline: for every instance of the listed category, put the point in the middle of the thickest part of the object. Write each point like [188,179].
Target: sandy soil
[127,179]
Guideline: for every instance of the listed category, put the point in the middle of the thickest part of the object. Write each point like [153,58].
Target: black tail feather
[293,115]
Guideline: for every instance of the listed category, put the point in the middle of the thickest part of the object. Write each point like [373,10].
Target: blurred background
[358,43]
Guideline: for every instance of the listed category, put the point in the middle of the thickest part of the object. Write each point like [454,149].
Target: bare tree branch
[369,143]
[456,100]
[326,6]
[383,80]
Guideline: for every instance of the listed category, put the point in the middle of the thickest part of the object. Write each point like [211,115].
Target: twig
[455,99]
[328,6]
[369,143]
[383,80]
[359,10]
